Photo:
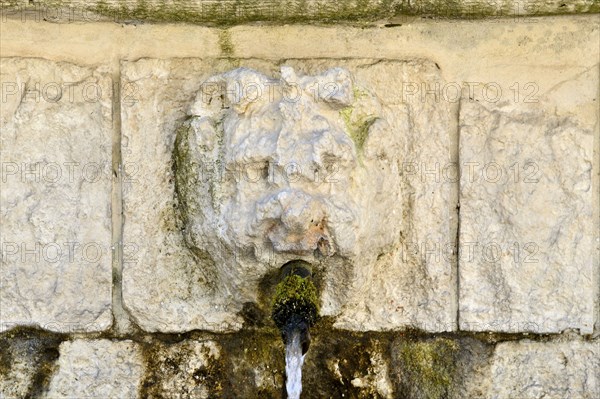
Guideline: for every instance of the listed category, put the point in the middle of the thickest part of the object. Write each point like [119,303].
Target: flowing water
[293,365]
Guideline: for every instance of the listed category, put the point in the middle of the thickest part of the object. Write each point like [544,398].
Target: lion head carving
[270,170]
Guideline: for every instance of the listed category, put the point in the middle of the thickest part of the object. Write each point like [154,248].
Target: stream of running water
[293,365]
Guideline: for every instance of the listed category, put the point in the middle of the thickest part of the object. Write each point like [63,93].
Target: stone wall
[477,274]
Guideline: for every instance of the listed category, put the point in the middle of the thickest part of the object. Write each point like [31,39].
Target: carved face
[270,170]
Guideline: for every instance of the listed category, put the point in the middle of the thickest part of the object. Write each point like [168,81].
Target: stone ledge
[230,12]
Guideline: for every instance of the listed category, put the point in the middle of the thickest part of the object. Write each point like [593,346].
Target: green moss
[593,8]
[362,131]
[142,9]
[185,177]
[167,361]
[357,120]
[225,43]
[6,359]
[31,344]
[295,296]
[46,367]
[346,113]
[357,125]
[253,353]
[428,367]
[358,13]
[359,93]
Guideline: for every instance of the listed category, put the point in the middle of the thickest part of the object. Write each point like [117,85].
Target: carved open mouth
[294,222]
[314,239]
[297,267]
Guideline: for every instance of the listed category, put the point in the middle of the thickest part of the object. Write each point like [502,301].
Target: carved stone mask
[269,170]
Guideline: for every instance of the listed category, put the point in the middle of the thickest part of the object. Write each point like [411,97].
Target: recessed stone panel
[233,168]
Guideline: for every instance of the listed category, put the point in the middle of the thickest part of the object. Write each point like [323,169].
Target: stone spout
[295,305]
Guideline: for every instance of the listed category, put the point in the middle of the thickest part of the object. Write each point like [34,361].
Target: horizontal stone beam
[232,12]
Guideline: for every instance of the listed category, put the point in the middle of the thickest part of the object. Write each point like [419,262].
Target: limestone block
[527,370]
[16,380]
[97,369]
[55,202]
[425,369]
[526,219]
[375,381]
[189,369]
[234,168]
[26,360]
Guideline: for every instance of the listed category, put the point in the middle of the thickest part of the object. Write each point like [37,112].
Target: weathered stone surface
[239,11]
[200,234]
[55,200]
[189,369]
[469,368]
[97,369]
[250,364]
[425,369]
[348,364]
[26,362]
[17,373]
[526,227]
[529,261]
[528,370]
[374,381]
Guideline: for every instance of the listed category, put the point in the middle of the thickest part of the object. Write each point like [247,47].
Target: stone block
[526,220]
[528,370]
[55,202]
[200,234]
[97,369]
